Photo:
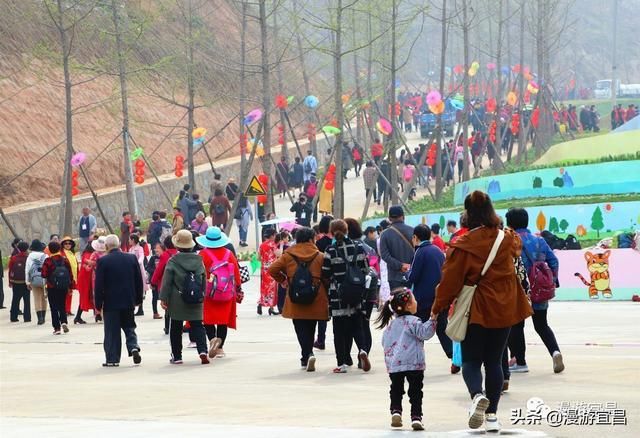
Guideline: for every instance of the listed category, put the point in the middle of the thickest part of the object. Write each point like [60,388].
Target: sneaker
[214,345]
[57,332]
[479,405]
[192,345]
[512,361]
[318,345]
[416,423]
[175,361]
[340,370]
[519,368]
[111,364]
[505,386]
[65,328]
[491,424]
[364,360]
[135,353]
[396,419]
[455,369]
[311,364]
[220,353]
[204,359]
[558,364]
[157,316]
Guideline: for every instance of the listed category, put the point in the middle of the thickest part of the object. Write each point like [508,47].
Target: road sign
[255,188]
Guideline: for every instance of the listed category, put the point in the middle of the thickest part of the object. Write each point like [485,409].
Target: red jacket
[438,242]
[49,266]
[156,279]
[377,150]
[16,258]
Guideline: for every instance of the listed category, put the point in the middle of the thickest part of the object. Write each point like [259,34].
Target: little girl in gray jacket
[403,344]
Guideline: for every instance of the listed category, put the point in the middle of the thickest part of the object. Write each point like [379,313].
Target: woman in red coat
[85,284]
[219,314]
[156,278]
[268,286]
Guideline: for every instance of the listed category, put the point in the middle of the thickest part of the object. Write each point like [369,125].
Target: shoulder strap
[493,252]
[391,227]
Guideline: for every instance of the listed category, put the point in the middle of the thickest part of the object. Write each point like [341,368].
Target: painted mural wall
[590,179]
[585,221]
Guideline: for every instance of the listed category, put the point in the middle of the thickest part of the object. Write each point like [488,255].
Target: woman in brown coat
[498,303]
[304,316]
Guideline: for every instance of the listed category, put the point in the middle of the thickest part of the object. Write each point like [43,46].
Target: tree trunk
[190,105]
[522,145]
[356,73]
[369,72]
[439,138]
[465,113]
[276,49]
[243,91]
[311,115]
[498,146]
[338,199]
[266,100]
[393,164]
[122,73]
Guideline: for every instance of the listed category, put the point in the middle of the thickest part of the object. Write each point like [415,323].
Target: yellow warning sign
[255,188]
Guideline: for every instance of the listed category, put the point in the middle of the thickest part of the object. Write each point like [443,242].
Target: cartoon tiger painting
[598,266]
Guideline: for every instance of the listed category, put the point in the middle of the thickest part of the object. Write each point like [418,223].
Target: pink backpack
[221,280]
[407,173]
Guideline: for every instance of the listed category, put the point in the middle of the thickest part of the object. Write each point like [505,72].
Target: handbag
[244,274]
[459,320]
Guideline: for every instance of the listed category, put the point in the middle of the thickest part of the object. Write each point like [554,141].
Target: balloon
[252,117]
[178,173]
[365,105]
[281,101]
[198,141]
[139,179]
[491,105]
[516,68]
[532,88]
[447,70]
[505,70]
[475,65]
[345,99]
[199,132]
[456,104]
[458,69]
[331,130]
[433,97]
[527,76]
[512,98]
[472,71]
[438,108]
[491,66]
[311,101]
[329,185]
[78,158]
[384,127]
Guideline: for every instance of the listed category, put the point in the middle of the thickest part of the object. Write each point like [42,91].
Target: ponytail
[384,316]
[396,305]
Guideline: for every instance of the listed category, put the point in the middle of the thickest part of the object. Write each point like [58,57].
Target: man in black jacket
[396,248]
[118,289]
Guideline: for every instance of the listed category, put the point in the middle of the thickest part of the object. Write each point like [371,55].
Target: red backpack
[18,264]
[541,283]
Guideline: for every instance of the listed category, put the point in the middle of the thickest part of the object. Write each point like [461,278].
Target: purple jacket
[403,343]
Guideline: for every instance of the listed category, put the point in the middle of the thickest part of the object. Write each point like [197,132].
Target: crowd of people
[332,271]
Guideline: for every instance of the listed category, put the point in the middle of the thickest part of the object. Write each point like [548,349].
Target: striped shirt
[334,269]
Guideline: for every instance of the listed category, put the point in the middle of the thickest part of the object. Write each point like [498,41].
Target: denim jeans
[243,234]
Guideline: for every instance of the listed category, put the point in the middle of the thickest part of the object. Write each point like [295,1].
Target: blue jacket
[425,273]
[538,249]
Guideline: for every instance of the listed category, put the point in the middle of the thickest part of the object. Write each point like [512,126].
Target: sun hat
[213,238]
[99,244]
[37,245]
[68,239]
[183,240]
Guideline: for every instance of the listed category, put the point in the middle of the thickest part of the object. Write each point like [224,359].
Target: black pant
[506,374]
[1,290]
[517,344]
[20,292]
[445,341]
[484,346]
[322,331]
[373,196]
[114,321]
[414,378]
[57,299]
[396,283]
[154,299]
[282,293]
[358,167]
[216,331]
[305,330]
[196,332]
[346,328]
[366,327]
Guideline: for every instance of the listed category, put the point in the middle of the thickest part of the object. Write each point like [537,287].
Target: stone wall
[40,220]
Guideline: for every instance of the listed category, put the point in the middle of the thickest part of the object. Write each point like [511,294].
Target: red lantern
[139,171]
[515,123]
[74,182]
[139,179]
[262,199]
[178,173]
[329,185]
[178,166]
[75,191]
[74,174]
[179,158]
[243,143]
[281,102]
[139,163]
[264,180]
[280,134]
[332,168]
[535,118]
[398,110]
[491,105]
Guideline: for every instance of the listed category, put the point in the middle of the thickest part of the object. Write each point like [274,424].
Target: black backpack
[301,288]
[571,242]
[353,287]
[219,208]
[60,277]
[552,240]
[192,291]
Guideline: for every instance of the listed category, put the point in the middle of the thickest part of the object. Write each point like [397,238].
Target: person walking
[403,344]
[68,246]
[100,249]
[323,240]
[224,290]
[243,217]
[126,229]
[396,248]
[155,229]
[87,226]
[56,269]
[219,209]
[231,190]
[178,220]
[344,270]
[534,249]
[306,301]
[85,284]
[357,158]
[182,294]
[303,210]
[268,286]
[136,249]
[18,284]
[498,303]
[156,280]
[118,289]
[296,174]
[309,165]
[158,249]
[282,173]
[35,281]
[424,275]
[370,177]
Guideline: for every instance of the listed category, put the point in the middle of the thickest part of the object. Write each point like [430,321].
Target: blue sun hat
[213,238]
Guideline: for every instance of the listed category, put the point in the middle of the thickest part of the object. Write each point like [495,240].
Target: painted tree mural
[564,225]
[442,222]
[541,221]
[553,225]
[597,222]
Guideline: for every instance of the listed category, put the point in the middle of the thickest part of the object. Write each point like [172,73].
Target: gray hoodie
[403,343]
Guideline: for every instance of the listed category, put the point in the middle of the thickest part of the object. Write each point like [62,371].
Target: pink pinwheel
[491,66]
[434,98]
[253,116]
[384,127]
[78,158]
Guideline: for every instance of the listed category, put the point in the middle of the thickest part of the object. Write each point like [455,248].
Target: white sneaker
[558,364]
[311,364]
[479,405]
[192,345]
[396,419]
[519,368]
[491,423]
[214,344]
